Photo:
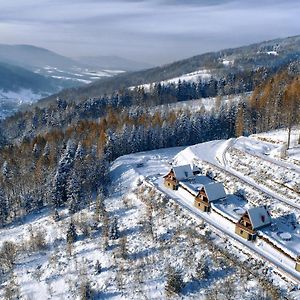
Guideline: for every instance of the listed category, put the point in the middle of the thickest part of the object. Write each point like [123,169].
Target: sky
[152,31]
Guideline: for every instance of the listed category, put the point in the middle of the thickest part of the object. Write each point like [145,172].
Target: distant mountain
[268,55]
[113,63]
[51,64]
[31,57]
[28,73]
[15,78]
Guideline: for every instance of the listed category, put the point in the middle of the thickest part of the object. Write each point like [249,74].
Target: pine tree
[6,172]
[4,209]
[80,152]
[114,230]
[73,194]
[71,234]
[98,267]
[56,216]
[99,207]
[59,193]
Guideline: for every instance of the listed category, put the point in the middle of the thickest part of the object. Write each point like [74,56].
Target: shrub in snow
[174,282]
[37,240]
[12,289]
[8,255]
[202,270]
[86,292]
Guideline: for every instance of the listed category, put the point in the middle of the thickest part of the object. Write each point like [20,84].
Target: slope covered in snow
[152,230]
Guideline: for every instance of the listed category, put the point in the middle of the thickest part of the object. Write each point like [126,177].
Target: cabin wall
[202,206]
[171,185]
[297,266]
[244,233]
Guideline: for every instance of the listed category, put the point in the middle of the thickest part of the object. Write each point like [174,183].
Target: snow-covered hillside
[189,77]
[157,232]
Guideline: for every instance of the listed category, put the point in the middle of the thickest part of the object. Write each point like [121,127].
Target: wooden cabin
[209,193]
[176,174]
[252,220]
[298,264]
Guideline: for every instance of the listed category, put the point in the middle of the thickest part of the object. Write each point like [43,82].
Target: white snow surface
[52,274]
[189,77]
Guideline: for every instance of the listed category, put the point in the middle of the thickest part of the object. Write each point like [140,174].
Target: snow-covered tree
[4,209]
[73,194]
[114,233]
[71,234]
[59,192]
[98,267]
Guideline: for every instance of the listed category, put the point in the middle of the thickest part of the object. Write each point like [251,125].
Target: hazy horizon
[153,31]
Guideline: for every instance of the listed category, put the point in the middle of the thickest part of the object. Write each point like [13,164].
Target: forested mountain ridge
[269,55]
[61,143]
[56,159]
[64,159]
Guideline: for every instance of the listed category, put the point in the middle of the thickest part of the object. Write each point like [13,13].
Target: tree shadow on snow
[107,295]
[195,285]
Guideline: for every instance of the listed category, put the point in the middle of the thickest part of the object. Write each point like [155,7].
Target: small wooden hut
[176,174]
[252,220]
[209,193]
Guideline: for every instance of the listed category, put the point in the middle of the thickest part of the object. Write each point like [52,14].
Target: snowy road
[214,153]
[257,154]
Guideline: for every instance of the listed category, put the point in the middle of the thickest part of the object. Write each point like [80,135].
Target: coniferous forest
[59,155]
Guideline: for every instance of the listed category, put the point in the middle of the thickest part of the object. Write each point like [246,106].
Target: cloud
[152,30]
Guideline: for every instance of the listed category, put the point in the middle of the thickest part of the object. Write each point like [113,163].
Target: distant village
[250,223]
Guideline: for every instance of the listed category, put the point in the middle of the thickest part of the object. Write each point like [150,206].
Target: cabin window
[263,219]
[241,231]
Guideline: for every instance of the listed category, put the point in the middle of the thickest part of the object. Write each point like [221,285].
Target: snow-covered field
[83,75]
[160,228]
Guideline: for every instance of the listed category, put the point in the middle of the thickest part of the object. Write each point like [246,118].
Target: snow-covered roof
[195,168]
[214,191]
[183,172]
[259,217]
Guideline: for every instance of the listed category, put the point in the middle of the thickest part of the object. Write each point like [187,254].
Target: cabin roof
[183,172]
[259,217]
[214,191]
